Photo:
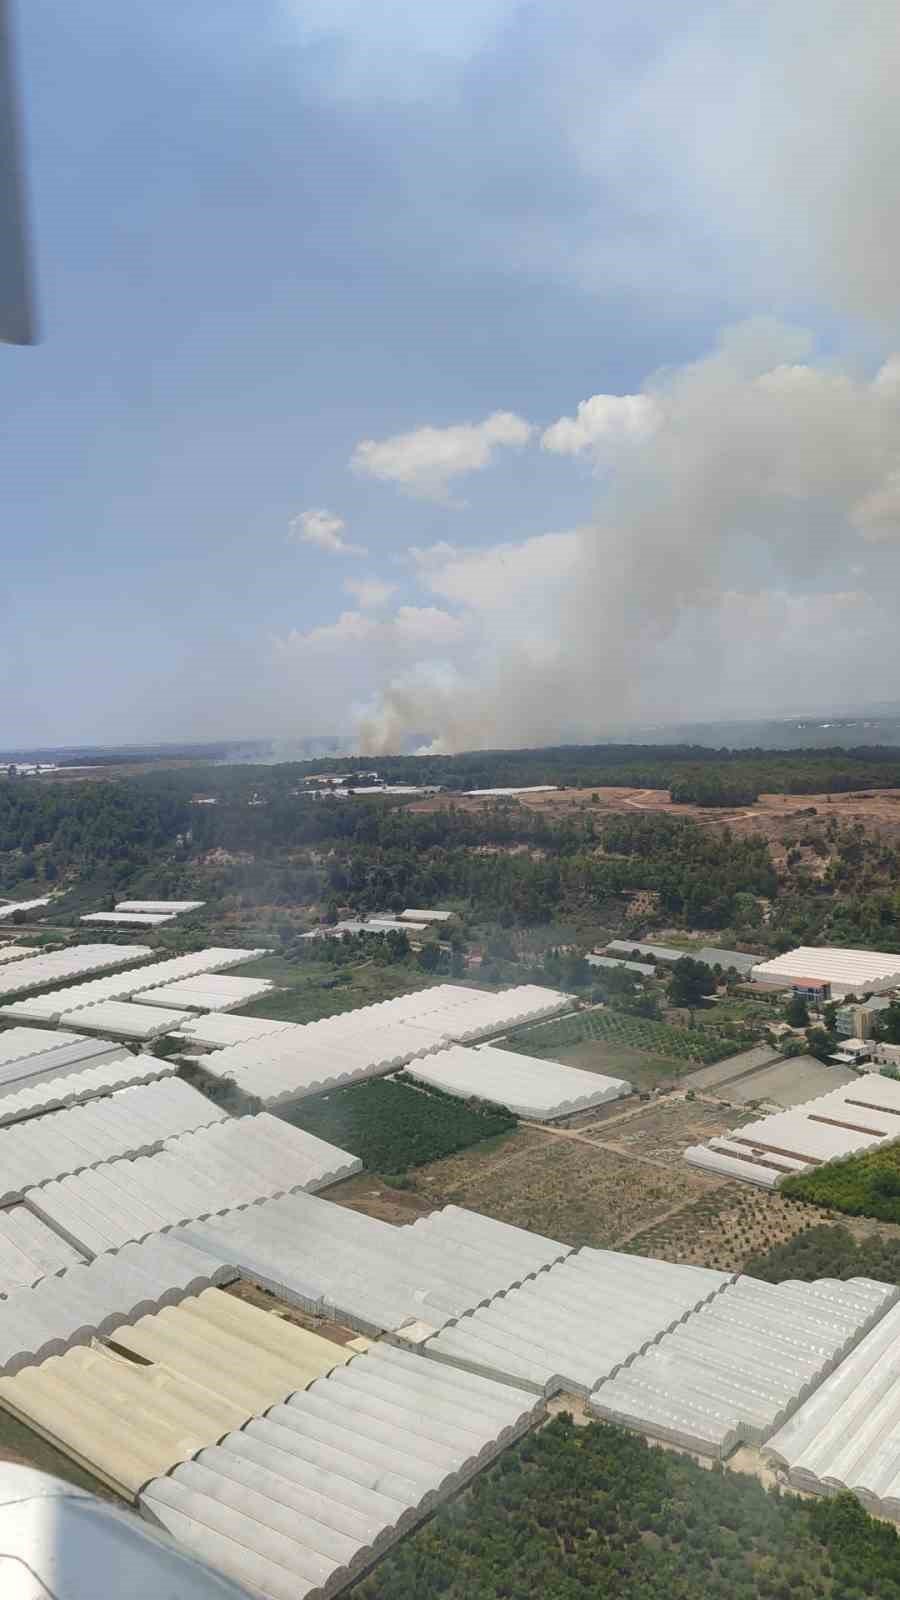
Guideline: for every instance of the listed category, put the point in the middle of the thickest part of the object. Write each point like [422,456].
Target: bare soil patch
[561,1187]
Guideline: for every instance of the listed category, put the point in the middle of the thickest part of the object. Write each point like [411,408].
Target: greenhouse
[87,1300]
[300,1501]
[577,1323]
[368,1274]
[112,1068]
[177,1379]
[737,1369]
[847,1435]
[130,1122]
[526,1085]
[231,1164]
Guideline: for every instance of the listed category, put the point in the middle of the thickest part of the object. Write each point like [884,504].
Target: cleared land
[662,1132]
[561,1185]
[876,809]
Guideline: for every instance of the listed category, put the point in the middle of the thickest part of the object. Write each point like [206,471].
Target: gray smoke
[765,471]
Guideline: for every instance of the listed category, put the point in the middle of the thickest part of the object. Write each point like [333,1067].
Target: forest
[392,1125]
[579,1513]
[265,843]
[829,1250]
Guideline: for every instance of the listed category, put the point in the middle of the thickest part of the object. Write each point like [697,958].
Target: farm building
[830,973]
[708,953]
[856,1116]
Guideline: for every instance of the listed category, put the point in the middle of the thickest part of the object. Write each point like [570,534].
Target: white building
[830,973]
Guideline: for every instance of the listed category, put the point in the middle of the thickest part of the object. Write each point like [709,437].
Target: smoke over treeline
[748,503]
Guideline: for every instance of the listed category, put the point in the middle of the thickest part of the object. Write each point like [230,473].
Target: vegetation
[713,786]
[576,1513]
[829,1251]
[691,982]
[700,1045]
[392,1125]
[310,991]
[861,1186]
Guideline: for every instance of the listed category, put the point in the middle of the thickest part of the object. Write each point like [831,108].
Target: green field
[861,1186]
[309,991]
[392,1126]
[616,1029]
[594,1513]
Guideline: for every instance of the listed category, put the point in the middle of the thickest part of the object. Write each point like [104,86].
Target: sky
[498,372]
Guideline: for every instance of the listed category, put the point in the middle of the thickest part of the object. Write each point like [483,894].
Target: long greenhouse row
[277,1067]
[120,986]
[527,1085]
[858,1116]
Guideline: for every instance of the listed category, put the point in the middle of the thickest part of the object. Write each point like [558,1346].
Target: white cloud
[370,593]
[601,420]
[325,530]
[424,461]
[409,630]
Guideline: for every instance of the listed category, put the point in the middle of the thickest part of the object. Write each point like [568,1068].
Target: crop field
[307,992]
[392,1126]
[617,1028]
[726,1228]
[861,1186]
[561,1186]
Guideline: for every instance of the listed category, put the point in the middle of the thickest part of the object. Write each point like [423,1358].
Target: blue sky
[266,234]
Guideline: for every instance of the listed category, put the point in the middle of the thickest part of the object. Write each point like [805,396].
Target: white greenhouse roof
[9,909]
[58,966]
[18,1044]
[301,1501]
[737,1369]
[224,1167]
[202,1367]
[847,1435]
[853,969]
[132,1121]
[29,1251]
[311,1057]
[123,1019]
[856,1116]
[526,1085]
[85,1079]
[172,908]
[137,919]
[578,1323]
[411,915]
[123,985]
[206,992]
[14,952]
[87,1300]
[219,1030]
[368,1274]
[645,969]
